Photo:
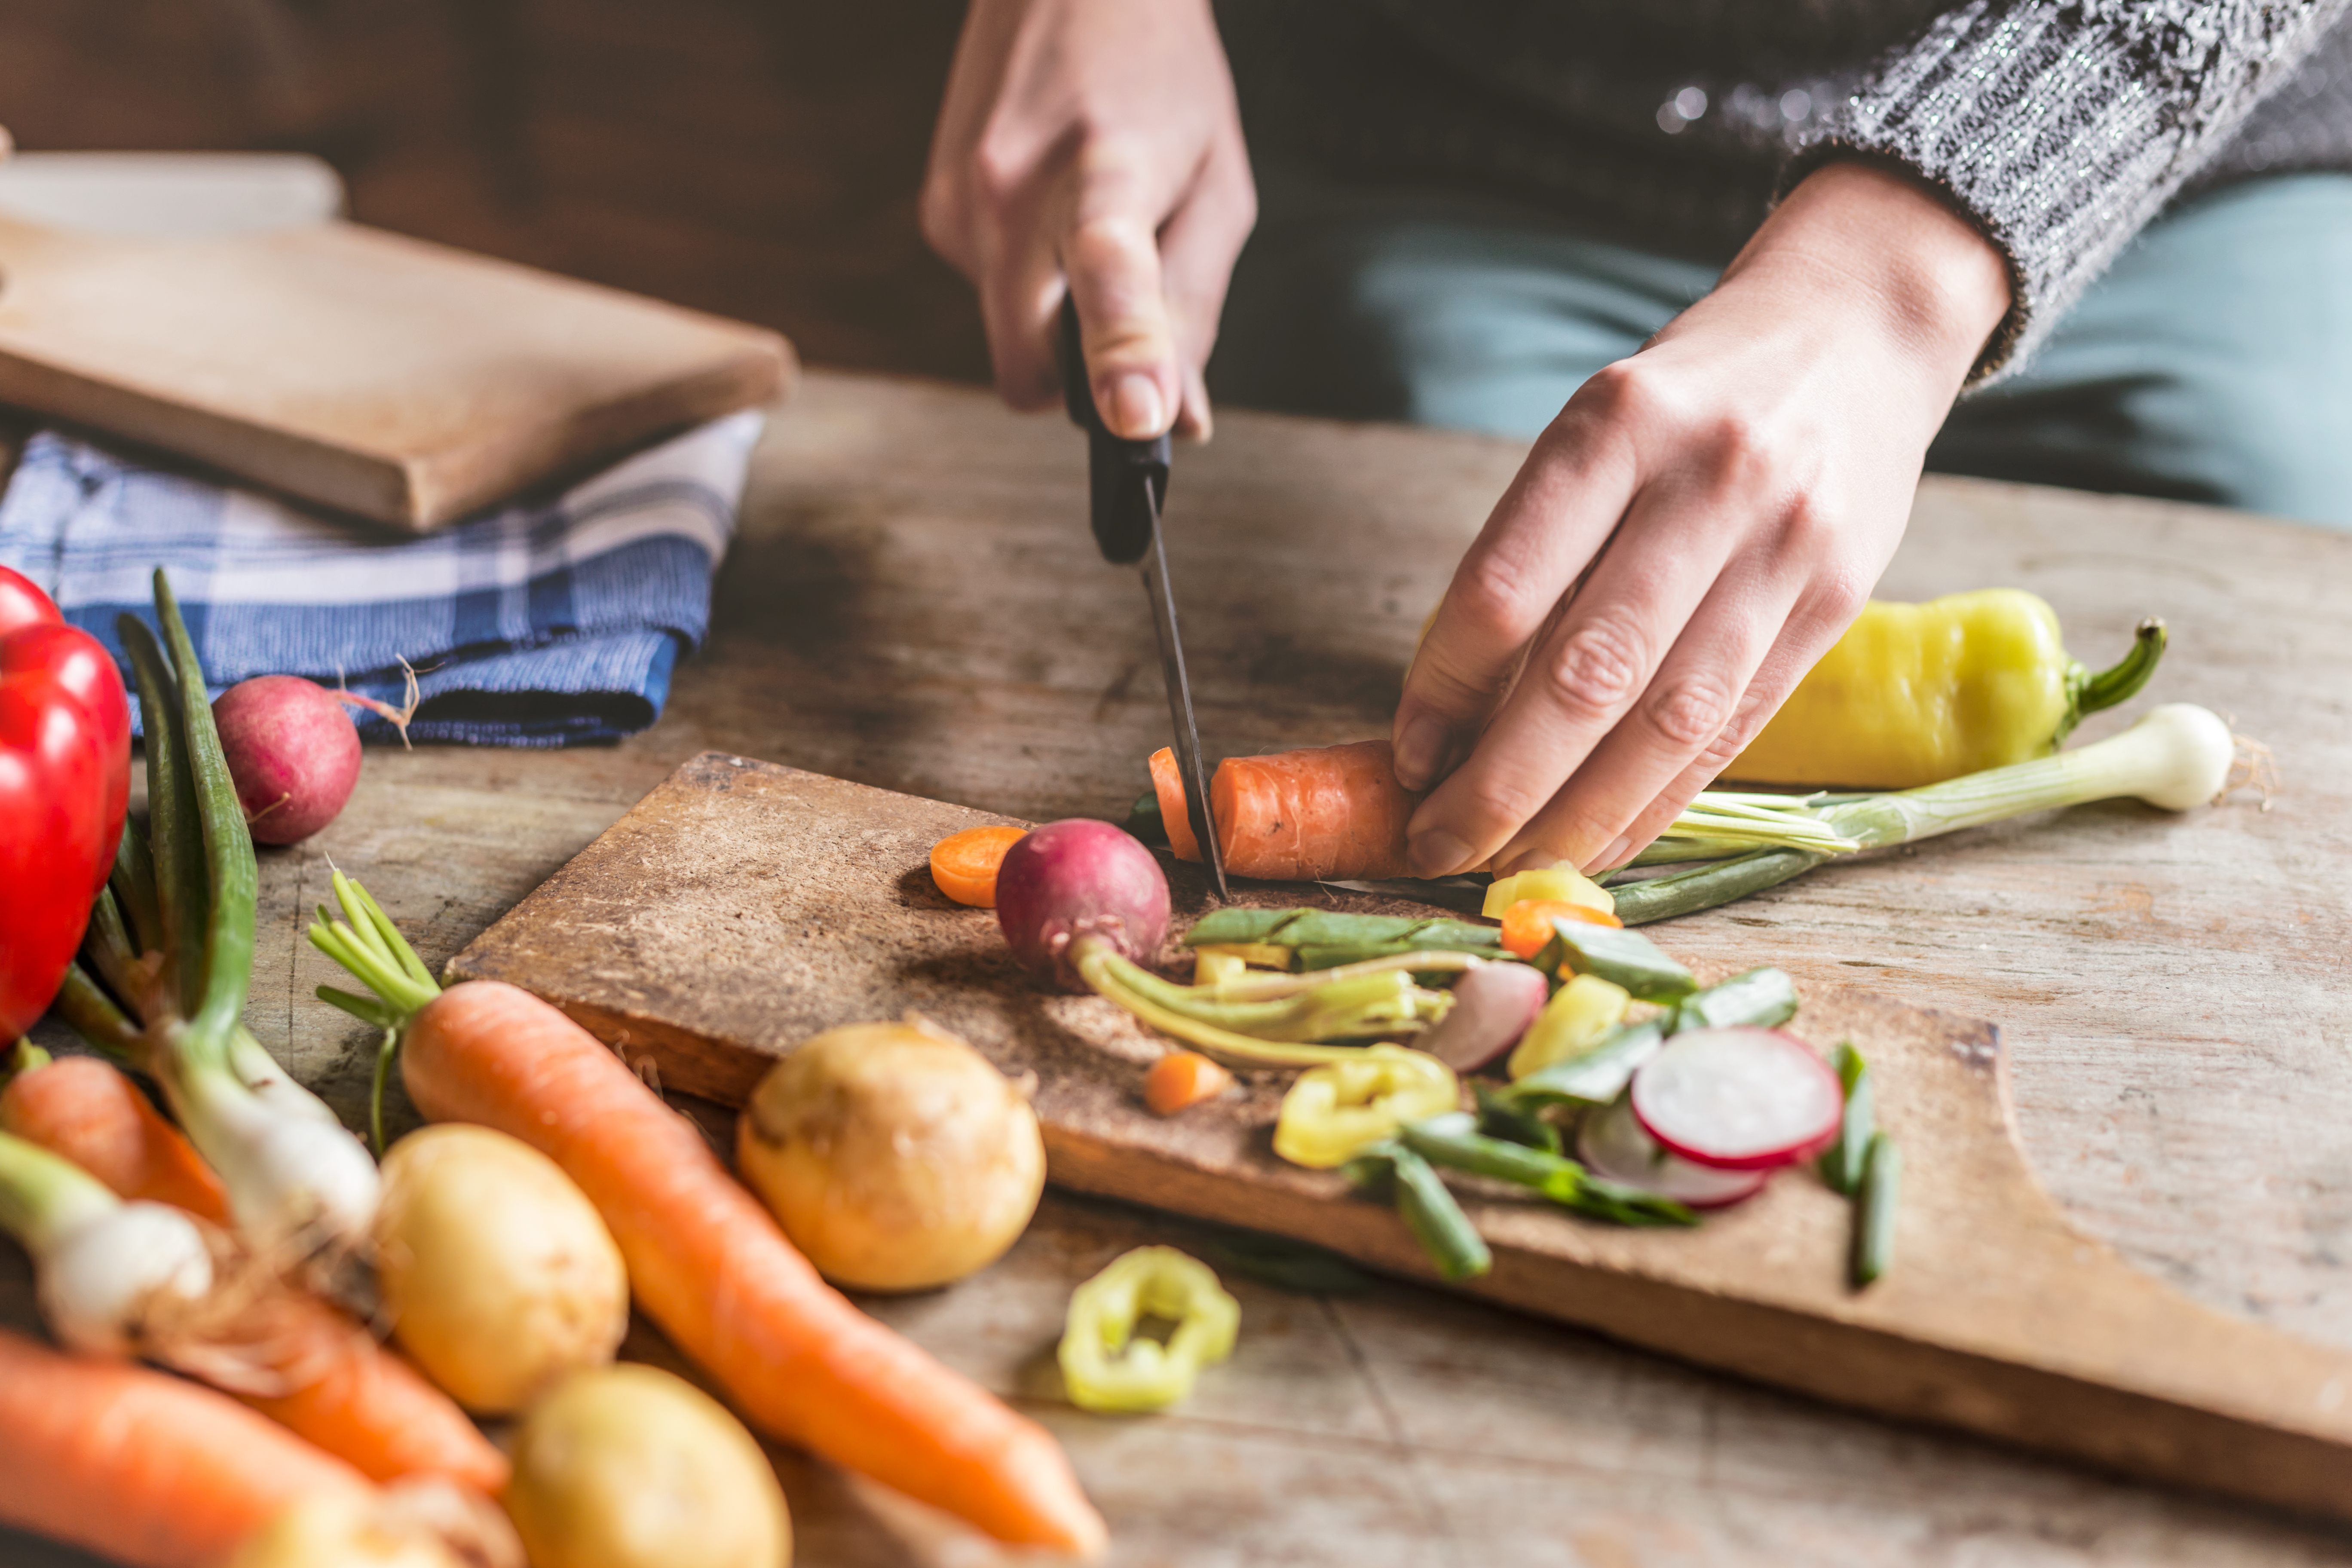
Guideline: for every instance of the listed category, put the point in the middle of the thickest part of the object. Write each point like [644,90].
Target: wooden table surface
[913,602]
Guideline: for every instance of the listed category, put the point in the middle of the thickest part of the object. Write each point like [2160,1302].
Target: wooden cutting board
[742,907]
[407,383]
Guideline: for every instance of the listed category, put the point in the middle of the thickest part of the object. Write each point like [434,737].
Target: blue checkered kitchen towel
[552,621]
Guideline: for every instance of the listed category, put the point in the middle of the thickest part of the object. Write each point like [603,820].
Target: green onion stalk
[165,970]
[1344,1008]
[2178,756]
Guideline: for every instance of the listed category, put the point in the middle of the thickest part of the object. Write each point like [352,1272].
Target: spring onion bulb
[2177,756]
[112,1278]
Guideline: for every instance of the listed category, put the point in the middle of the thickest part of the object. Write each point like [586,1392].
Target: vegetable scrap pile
[244,1244]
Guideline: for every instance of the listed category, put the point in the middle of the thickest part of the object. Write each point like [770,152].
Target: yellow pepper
[1573,1023]
[1336,1111]
[1915,694]
[1106,1367]
[1565,883]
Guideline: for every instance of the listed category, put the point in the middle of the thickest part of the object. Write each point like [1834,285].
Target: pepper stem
[2088,693]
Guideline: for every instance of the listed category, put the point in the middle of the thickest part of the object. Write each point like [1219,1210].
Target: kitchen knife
[1127,481]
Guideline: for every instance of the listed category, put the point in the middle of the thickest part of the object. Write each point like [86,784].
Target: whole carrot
[145,1469]
[710,1267]
[89,1112]
[1325,812]
[332,1383]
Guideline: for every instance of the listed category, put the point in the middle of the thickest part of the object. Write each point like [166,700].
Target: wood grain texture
[741,908]
[911,602]
[383,376]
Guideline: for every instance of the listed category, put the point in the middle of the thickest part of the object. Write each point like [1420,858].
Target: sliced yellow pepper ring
[1565,883]
[1106,1367]
[1336,1111]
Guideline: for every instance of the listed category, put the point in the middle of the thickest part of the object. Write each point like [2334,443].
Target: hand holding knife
[1127,483]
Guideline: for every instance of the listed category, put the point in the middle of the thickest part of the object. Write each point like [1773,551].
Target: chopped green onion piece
[1841,1163]
[1874,1216]
[1625,958]
[1596,1077]
[1452,1140]
[1499,1116]
[1428,1209]
[1234,924]
[1765,998]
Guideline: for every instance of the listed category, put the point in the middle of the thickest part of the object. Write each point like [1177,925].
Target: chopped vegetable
[1194,1017]
[1737,1099]
[1597,1076]
[1913,694]
[1213,966]
[895,1155]
[964,864]
[1557,884]
[1874,1220]
[65,783]
[1333,1005]
[92,1114]
[1613,1144]
[1334,1112]
[1181,1079]
[1842,1162]
[1765,998]
[1428,1209]
[2177,756]
[1299,817]
[1107,1365]
[1176,821]
[293,753]
[1452,1140]
[1574,1023]
[1324,939]
[497,1275]
[631,1467]
[149,1470]
[1250,954]
[1078,884]
[1494,1005]
[1528,927]
[1623,958]
[709,1266]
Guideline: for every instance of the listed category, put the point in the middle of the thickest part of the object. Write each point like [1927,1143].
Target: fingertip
[1133,407]
[1420,748]
[1435,853]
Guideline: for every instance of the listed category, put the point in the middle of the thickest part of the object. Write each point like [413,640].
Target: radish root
[398,718]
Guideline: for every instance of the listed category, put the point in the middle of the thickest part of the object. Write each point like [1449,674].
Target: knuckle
[1492,598]
[999,173]
[1690,712]
[1598,667]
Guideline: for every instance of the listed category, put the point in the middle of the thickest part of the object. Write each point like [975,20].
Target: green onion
[1873,1218]
[1842,1163]
[1451,1140]
[1625,958]
[1428,1209]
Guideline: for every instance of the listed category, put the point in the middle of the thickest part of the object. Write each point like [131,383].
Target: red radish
[1614,1145]
[1075,879]
[1738,1098]
[293,751]
[1493,1006]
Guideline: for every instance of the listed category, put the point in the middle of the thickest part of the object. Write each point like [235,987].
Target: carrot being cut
[90,1113]
[1527,925]
[333,1383]
[1294,816]
[1181,1079]
[148,1470]
[705,1260]
[964,864]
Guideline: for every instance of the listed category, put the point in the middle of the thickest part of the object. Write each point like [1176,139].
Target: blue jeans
[2212,362]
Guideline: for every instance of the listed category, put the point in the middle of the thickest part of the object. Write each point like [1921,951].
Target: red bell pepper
[65,783]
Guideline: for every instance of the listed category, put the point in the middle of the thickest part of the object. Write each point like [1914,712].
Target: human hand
[1693,532]
[1099,144]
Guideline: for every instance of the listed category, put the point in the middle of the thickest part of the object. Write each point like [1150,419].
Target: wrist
[1866,232]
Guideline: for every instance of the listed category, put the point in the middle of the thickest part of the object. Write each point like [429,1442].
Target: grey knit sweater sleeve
[2064,127]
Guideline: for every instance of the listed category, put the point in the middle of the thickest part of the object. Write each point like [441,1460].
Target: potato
[499,1274]
[628,1466]
[893,1155]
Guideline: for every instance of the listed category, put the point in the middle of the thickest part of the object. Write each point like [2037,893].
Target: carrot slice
[1527,925]
[709,1265]
[147,1468]
[1181,1079]
[81,1108]
[964,864]
[1168,783]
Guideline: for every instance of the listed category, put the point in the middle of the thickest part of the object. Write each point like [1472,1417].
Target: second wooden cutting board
[406,383]
[743,906]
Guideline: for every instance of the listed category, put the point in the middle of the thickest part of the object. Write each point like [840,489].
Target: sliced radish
[1614,1146]
[1493,1006]
[1738,1098]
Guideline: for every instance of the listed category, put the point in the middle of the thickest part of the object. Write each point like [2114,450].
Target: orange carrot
[1181,1079]
[345,1393]
[1527,925]
[146,1468]
[1296,816]
[80,1108]
[710,1267]
[964,864]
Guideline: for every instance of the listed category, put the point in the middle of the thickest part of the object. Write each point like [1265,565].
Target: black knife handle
[1117,504]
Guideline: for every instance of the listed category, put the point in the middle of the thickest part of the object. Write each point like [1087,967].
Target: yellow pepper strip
[1335,1112]
[1565,883]
[1216,968]
[1915,694]
[1106,1367]
[1576,1020]
[1254,954]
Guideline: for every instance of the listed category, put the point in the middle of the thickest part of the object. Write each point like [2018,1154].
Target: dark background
[759,158]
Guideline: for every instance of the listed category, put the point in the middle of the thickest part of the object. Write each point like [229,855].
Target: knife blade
[1127,483]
